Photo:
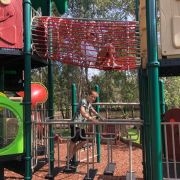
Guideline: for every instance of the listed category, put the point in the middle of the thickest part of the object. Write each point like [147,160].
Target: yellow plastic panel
[143,32]
[170,27]
[176,31]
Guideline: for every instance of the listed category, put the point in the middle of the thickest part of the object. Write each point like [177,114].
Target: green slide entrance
[11,127]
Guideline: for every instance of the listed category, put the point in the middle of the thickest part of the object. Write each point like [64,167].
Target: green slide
[11,127]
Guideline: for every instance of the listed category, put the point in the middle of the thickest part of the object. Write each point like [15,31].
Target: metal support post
[74,108]
[153,84]
[50,103]
[27,86]
[98,138]
[163,109]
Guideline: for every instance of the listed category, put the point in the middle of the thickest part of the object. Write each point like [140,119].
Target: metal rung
[92,174]
[130,176]
[110,168]
[70,169]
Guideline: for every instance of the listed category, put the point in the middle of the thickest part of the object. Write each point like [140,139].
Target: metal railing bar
[166,147]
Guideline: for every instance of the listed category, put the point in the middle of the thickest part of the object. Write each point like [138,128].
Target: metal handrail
[134,121]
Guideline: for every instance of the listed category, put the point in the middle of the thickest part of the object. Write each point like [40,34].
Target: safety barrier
[171,149]
[39,131]
[61,127]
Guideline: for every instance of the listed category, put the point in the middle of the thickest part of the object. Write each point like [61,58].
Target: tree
[114,85]
[117,86]
[106,9]
[172,91]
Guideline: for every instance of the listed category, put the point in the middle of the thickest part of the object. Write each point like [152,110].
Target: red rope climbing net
[107,45]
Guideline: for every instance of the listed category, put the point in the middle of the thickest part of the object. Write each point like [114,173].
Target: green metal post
[147,127]
[51,114]
[27,86]
[1,133]
[50,103]
[153,84]
[163,109]
[141,100]
[137,9]
[49,7]
[2,78]
[62,5]
[98,138]
[74,101]
[162,97]
[74,108]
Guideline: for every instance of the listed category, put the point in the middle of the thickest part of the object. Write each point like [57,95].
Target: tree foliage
[172,92]
[115,86]
[106,9]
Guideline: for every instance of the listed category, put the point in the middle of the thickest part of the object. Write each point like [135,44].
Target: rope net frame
[101,44]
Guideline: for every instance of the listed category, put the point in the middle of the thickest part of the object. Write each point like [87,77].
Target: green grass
[63,132]
[134,134]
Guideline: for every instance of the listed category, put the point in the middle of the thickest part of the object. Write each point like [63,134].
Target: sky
[92,72]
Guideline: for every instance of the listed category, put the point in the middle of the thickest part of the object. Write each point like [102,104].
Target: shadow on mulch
[58,170]
[14,178]
[41,163]
[124,145]
[103,177]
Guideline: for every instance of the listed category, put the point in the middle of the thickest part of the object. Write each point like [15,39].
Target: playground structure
[60,126]
[171,144]
[12,123]
[12,139]
[151,89]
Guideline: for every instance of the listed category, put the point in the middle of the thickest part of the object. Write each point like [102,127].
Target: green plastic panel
[61,5]
[36,4]
[17,146]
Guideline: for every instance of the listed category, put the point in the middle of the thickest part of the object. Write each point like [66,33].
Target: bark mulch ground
[120,157]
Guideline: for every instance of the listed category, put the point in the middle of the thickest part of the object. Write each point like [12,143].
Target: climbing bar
[62,128]
[130,121]
[106,45]
[117,103]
